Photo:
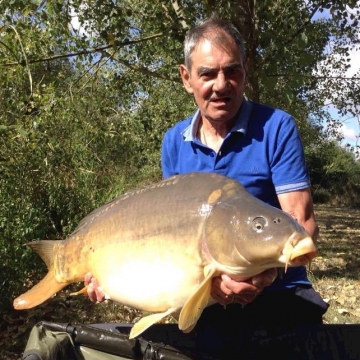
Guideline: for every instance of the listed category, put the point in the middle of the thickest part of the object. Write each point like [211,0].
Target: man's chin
[221,116]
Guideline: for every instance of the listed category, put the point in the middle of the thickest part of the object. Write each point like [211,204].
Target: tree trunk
[244,17]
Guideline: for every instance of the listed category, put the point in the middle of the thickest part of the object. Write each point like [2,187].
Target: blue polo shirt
[263,151]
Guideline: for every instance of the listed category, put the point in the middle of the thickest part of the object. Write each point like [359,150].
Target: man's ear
[185,77]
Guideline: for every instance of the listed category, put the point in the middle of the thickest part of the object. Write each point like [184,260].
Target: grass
[335,275]
[335,272]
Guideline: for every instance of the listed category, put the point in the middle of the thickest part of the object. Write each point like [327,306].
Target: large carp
[157,248]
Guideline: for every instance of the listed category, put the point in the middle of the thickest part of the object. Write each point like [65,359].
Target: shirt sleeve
[288,165]
[167,156]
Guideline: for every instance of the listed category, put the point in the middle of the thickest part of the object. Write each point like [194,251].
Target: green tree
[334,173]
[292,52]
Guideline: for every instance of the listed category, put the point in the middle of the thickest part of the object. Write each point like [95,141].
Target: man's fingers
[226,290]
[91,292]
[87,279]
[266,278]
[245,298]
[94,291]
[238,287]
[219,292]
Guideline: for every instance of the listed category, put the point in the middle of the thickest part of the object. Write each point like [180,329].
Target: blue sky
[350,123]
[350,128]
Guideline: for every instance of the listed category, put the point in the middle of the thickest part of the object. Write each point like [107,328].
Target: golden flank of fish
[157,248]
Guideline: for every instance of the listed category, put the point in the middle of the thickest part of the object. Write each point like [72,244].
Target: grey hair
[207,27]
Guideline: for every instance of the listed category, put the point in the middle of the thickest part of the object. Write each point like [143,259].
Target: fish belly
[149,275]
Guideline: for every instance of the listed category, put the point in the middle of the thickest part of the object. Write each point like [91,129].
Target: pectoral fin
[147,321]
[195,305]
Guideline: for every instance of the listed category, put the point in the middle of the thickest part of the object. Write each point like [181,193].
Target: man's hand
[94,290]
[226,290]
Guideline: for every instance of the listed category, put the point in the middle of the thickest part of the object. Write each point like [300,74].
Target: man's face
[216,79]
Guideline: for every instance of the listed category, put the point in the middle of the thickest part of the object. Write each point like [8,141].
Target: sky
[350,125]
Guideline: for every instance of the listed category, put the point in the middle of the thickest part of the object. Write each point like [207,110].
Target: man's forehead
[223,42]
[204,50]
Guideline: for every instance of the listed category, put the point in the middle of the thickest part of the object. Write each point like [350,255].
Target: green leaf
[36,2]
[3,128]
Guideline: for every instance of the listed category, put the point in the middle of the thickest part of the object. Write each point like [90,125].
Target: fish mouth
[298,251]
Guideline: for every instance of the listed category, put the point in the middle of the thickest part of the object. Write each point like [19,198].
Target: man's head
[214,71]
[216,26]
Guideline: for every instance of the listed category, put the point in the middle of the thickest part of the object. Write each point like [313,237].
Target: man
[256,145]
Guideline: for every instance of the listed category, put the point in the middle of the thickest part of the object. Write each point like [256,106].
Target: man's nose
[220,83]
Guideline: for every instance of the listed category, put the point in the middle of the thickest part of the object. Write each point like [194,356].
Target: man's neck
[212,134]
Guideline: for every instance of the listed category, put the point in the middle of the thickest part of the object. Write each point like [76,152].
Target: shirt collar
[240,125]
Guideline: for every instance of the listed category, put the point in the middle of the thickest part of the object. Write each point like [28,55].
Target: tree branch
[179,13]
[315,77]
[84,52]
[141,69]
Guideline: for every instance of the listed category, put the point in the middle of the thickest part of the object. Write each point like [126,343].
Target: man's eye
[207,75]
[232,71]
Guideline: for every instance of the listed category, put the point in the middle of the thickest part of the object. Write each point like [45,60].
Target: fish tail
[42,291]
[48,286]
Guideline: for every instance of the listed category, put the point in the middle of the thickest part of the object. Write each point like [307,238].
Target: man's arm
[299,205]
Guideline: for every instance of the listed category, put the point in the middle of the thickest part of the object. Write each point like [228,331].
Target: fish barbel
[157,248]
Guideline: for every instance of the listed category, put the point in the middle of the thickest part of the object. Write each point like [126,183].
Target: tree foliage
[90,87]
[335,174]
[292,50]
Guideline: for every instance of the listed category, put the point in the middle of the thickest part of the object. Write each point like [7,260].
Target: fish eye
[258,224]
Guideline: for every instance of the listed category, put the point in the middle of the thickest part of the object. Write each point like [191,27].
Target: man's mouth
[219,101]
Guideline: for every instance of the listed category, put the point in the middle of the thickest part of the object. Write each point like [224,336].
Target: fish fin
[147,321]
[39,293]
[189,328]
[196,303]
[81,291]
[45,249]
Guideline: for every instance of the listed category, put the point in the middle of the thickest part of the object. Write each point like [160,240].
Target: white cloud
[348,132]
[75,24]
[351,132]
[354,53]
[354,63]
